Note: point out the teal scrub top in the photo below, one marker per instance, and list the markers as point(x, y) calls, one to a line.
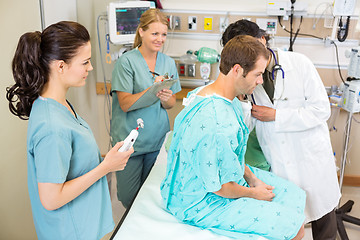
point(207, 150)
point(61, 147)
point(131, 74)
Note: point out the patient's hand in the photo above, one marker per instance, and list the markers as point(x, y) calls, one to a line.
point(263, 192)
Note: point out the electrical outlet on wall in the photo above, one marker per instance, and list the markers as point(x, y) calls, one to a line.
point(192, 21)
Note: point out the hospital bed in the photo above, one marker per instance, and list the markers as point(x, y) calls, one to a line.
point(147, 219)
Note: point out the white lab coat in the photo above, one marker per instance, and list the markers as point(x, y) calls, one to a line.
point(297, 144)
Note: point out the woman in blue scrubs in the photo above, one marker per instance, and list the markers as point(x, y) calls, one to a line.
point(66, 175)
point(134, 73)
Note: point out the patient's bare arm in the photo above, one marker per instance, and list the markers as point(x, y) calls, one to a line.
point(258, 189)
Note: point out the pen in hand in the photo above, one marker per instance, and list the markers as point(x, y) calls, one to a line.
point(154, 73)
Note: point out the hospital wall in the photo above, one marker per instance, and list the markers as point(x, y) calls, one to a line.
point(16, 17)
point(19, 16)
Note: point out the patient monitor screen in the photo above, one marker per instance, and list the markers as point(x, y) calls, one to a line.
point(127, 19)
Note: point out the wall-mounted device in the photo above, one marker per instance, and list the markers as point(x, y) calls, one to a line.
point(354, 64)
point(351, 96)
point(205, 69)
point(283, 8)
point(174, 22)
point(124, 19)
point(269, 25)
point(344, 7)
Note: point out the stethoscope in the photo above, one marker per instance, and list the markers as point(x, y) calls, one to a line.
point(275, 68)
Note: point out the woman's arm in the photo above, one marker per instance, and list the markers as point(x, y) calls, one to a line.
point(126, 100)
point(54, 195)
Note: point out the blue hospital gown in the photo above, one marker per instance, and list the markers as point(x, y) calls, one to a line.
point(207, 151)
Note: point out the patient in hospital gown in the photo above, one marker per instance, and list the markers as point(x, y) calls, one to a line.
point(207, 150)
point(207, 183)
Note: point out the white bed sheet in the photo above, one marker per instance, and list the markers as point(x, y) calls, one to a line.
point(147, 219)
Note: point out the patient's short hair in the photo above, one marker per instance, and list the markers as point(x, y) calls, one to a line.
point(243, 50)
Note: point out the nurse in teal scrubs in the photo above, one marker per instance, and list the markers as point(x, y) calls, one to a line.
point(67, 186)
point(134, 73)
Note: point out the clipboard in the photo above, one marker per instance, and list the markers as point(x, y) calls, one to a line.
point(149, 97)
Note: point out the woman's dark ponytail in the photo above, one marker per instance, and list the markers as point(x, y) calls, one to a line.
point(28, 75)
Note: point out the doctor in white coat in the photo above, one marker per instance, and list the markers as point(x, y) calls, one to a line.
point(290, 119)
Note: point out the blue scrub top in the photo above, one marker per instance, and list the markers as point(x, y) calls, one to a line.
point(131, 74)
point(61, 147)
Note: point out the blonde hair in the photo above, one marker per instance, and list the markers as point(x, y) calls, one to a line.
point(150, 16)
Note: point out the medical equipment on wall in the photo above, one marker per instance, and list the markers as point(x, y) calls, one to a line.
point(131, 138)
point(123, 18)
point(187, 64)
point(351, 96)
point(342, 8)
point(351, 103)
point(354, 64)
point(284, 8)
point(206, 56)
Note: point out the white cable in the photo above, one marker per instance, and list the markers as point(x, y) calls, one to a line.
point(166, 45)
point(316, 20)
point(355, 120)
point(107, 100)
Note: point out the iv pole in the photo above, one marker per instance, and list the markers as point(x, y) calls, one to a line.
point(341, 211)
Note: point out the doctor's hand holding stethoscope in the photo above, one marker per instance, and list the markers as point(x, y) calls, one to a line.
point(262, 113)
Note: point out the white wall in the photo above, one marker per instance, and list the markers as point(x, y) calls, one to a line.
point(16, 17)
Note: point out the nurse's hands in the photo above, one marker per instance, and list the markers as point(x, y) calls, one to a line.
point(164, 95)
point(116, 161)
point(159, 79)
point(262, 113)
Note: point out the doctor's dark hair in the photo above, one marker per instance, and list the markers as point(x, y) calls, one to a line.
point(243, 50)
point(149, 16)
point(243, 27)
point(31, 63)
